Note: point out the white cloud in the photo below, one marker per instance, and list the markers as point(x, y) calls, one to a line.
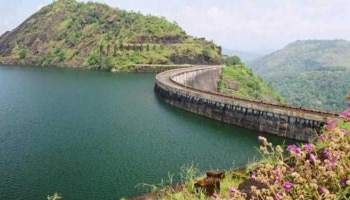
point(258, 24)
point(239, 24)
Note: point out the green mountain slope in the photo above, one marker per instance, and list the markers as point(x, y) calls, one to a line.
point(69, 33)
point(312, 73)
point(239, 81)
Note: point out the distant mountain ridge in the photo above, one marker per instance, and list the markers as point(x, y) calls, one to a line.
point(311, 55)
point(310, 73)
point(243, 55)
point(69, 34)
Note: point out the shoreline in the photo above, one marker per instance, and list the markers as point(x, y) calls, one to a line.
point(136, 68)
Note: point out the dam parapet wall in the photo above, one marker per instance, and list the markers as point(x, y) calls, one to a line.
point(181, 89)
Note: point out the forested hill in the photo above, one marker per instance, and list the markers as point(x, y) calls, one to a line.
point(311, 73)
point(69, 33)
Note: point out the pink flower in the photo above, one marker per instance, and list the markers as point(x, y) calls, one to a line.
point(233, 191)
point(345, 132)
point(331, 124)
point(293, 148)
point(321, 137)
point(323, 189)
point(334, 160)
point(262, 139)
point(253, 177)
point(343, 181)
point(326, 153)
point(312, 158)
point(215, 196)
point(308, 147)
point(330, 136)
point(287, 186)
point(345, 114)
point(278, 197)
point(278, 178)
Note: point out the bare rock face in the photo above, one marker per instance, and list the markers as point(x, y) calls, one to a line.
point(208, 185)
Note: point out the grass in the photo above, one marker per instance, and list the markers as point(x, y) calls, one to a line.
point(167, 190)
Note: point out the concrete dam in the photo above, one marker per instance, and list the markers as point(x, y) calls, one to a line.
point(195, 89)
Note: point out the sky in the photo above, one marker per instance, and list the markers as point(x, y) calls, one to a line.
point(245, 25)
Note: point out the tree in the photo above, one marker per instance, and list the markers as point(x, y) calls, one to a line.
point(232, 60)
point(22, 53)
point(109, 63)
point(93, 60)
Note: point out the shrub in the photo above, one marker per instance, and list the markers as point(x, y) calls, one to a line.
point(232, 60)
point(92, 60)
point(318, 170)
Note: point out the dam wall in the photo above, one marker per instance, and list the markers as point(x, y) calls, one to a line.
point(206, 79)
point(177, 88)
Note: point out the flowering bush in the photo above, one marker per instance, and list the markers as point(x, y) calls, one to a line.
point(310, 171)
point(319, 170)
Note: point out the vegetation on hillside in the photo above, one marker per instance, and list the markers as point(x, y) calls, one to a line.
point(70, 33)
point(239, 81)
point(322, 90)
point(318, 170)
point(312, 73)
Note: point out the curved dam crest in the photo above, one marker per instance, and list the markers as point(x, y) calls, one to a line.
point(195, 89)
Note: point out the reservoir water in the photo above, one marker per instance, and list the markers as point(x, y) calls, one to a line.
point(96, 135)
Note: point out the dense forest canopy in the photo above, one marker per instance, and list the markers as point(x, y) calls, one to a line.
point(312, 73)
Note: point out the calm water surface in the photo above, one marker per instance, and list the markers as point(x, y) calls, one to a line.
point(95, 135)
